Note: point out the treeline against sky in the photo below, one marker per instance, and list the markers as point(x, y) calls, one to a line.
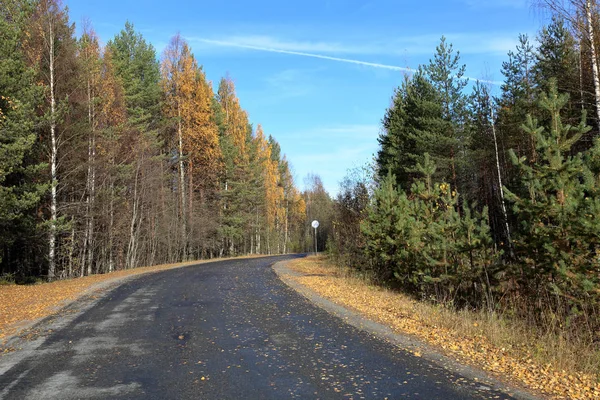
point(488, 202)
point(115, 157)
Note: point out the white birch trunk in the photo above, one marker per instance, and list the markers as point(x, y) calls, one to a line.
point(182, 186)
point(131, 248)
point(581, 91)
point(504, 213)
point(596, 74)
point(70, 269)
point(53, 161)
point(90, 187)
point(92, 182)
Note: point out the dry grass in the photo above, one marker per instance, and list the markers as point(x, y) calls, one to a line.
point(546, 363)
point(22, 304)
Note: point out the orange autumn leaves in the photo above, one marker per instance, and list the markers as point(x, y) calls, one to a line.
point(188, 102)
point(189, 105)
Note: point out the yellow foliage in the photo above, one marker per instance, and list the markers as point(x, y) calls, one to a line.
point(235, 117)
point(188, 101)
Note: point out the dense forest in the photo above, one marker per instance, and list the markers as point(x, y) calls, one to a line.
point(114, 157)
point(490, 202)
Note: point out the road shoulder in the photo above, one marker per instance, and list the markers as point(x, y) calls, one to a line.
point(406, 342)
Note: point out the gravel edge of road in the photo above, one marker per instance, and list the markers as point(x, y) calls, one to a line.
point(404, 341)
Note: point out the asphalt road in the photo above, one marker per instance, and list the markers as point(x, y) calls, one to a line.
point(225, 330)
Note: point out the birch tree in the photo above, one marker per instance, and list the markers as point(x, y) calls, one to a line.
point(91, 64)
point(582, 15)
point(51, 49)
point(178, 70)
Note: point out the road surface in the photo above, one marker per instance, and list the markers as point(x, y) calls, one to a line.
point(224, 330)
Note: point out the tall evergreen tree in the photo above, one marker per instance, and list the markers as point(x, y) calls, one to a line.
point(446, 75)
point(51, 49)
point(558, 230)
point(558, 58)
point(136, 65)
point(20, 186)
point(411, 127)
point(517, 99)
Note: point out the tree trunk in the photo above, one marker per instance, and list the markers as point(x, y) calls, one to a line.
point(111, 222)
point(53, 162)
point(91, 183)
point(132, 247)
point(190, 205)
point(71, 257)
point(596, 74)
point(581, 90)
point(182, 186)
point(285, 237)
point(503, 203)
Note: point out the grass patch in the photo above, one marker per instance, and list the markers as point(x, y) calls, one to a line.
point(544, 361)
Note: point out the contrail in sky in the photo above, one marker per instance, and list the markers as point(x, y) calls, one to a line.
point(346, 60)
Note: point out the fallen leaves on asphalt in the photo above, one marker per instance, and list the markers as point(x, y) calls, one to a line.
point(401, 314)
point(22, 304)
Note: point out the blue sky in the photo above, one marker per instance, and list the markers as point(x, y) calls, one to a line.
point(319, 74)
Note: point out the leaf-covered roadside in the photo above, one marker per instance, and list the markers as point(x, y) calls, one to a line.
point(466, 338)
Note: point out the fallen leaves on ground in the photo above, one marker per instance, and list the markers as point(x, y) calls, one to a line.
point(405, 316)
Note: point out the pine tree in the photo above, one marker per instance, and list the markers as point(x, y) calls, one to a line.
point(558, 59)
point(446, 75)
point(20, 187)
point(238, 190)
point(430, 248)
point(139, 170)
point(557, 237)
point(581, 16)
point(136, 65)
point(386, 231)
point(412, 127)
point(395, 142)
point(517, 99)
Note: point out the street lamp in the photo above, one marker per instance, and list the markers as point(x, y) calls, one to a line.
point(315, 224)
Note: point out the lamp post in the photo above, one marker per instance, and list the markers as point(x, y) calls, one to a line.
point(315, 224)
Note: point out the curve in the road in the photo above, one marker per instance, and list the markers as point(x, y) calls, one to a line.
point(223, 330)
